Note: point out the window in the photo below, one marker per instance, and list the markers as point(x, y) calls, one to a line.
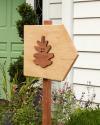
point(38, 9)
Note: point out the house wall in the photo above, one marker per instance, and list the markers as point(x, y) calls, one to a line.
point(86, 33)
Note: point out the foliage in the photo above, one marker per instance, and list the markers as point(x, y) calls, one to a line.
point(7, 118)
point(90, 95)
point(28, 16)
point(16, 72)
point(64, 104)
point(4, 81)
point(24, 108)
point(3, 108)
point(24, 116)
point(85, 117)
point(25, 104)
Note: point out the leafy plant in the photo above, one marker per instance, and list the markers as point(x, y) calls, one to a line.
point(16, 72)
point(25, 102)
point(28, 16)
point(85, 117)
point(24, 116)
point(4, 81)
point(64, 103)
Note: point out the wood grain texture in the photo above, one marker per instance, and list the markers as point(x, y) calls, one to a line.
point(46, 118)
point(62, 47)
point(46, 115)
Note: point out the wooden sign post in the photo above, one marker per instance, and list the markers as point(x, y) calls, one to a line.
point(46, 115)
point(49, 53)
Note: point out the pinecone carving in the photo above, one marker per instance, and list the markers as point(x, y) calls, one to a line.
point(43, 57)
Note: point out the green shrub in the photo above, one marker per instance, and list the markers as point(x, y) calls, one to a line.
point(4, 106)
point(26, 103)
point(16, 71)
point(85, 117)
point(24, 116)
point(28, 17)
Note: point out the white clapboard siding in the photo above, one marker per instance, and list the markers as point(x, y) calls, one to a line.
point(78, 89)
point(55, 1)
point(87, 26)
point(55, 11)
point(52, 10)
point(86, 76)
point(87, 43)
point(88, 60)
point(57, 21)
point(82, 0)
point(87, 9)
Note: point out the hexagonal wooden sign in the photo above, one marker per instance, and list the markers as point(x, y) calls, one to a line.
point(48, 51)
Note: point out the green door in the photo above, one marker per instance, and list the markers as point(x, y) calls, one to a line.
point(10, 44)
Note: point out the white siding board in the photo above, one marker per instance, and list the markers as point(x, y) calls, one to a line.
point(87, 26)
point(84, 76)
point(82, 0)
point(55, 1)
point(87, 43)
point(89, 91)
point(88, 60)
point(52, 10)
point(67, 20)
point(57, 22)
point(55, 11)
point(87, 9)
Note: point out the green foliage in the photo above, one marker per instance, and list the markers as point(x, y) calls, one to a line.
point(4, 81)
point(16, 72)
point(64, 104)
point(24, 116)
point(24, 103)
point(24, 108)
point(4, 106)
point(28, 16)
point(85, 117)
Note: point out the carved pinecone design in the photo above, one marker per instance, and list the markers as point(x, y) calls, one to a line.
point(43, 57)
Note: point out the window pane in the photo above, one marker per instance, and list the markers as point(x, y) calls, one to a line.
point(38, 9)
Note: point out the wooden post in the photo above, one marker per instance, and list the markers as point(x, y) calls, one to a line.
point(46, 106)
point(46, 120)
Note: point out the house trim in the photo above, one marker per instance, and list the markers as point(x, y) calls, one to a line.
point(30, 2)
point(67, 20)
point(67, 15)
point(45, 9)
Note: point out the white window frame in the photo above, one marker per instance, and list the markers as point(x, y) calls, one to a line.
point(30, 2)
point(67, 15)
point(67, 20)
